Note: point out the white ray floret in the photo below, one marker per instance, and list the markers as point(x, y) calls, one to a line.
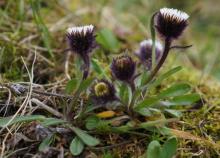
point(174, 13)
point(80, 29)
point(149, 43)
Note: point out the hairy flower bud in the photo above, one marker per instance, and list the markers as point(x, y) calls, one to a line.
point(123, 68)
point(144, 52)
point(171, 23)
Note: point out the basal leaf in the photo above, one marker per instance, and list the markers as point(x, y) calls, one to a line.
point(147, 102)
point(125, 93)
point(143, 78)
point(52, 121)
point(164, 76)
point(144, 111)
point(188, 99)
point(92, 122)
point(46, 143)
point(19, 119)
point(154, 150)
point(86, 138)
point(175, 90)
point(169, 148)
point(76, 146)
point(150, 124)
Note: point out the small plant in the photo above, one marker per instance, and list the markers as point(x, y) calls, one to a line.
point(167, 150)
point(126, 100)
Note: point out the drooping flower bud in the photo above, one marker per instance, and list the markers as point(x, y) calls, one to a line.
point(102, 92)
point(144, 52)
point(123, 68)
point(171, 23)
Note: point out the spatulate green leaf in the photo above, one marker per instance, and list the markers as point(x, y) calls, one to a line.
point(169, 148)
point(125, 93)
point(52, 121)
point(46, 143)
point(76, 146)
point(164, 76)
point(188, 99)
point(7, 121)
point(147, 102)
point(86, 138)
point(175, 90)
point(92, 122)
point(154, 150)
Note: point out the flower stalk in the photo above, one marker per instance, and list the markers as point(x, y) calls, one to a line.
point(86, 66)
point(162, 60)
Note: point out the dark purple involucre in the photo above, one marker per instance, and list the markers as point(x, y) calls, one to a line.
point(123, 68)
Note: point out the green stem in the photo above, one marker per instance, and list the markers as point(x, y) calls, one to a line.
point(69, 111)
point(153, 37)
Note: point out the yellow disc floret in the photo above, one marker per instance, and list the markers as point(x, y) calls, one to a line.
point(101, 89)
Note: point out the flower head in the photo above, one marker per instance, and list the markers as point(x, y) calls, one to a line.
point(81, 39)
point(123, 68)
point(103, 91)
point(144, 52)
point(170, 23)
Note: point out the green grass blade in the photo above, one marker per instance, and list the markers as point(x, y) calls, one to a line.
point(41, 26)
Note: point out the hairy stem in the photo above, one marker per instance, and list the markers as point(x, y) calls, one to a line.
point(162, 60)
point(86, 66)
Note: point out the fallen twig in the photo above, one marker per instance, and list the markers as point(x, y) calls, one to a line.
point(46, 107)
